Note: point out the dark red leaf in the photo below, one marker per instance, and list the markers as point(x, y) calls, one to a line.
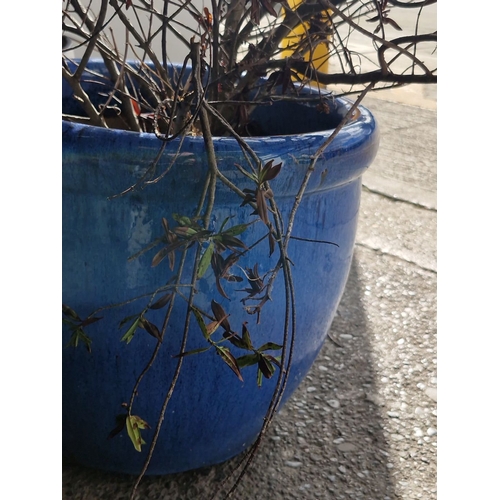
point(267, 5)
point(208, 17)
point(229, 241)
point(393, 23)
point(233, 278)
point(230, 360)
point(262, 206)
point(271, 243)
point(164, 223)
point(160, 256)
point(266, 367)
point(220, 315)
point(219, 287)
point(217, 263)
point(89, 321)
point(169, 249)
point(255, 11)
point(137, 108)
point(162, 301)
point(269, 171)
point(150, 328)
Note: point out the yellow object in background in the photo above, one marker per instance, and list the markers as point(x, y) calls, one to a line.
point(320, 57)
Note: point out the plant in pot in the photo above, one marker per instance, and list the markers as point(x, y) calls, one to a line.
point(211, 185)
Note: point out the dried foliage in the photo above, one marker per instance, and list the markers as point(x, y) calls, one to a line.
point(234, 55)
point(232, 44)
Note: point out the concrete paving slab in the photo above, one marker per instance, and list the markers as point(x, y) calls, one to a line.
point(398, 228)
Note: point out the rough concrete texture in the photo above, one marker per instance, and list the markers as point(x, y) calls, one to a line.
point(362, 425)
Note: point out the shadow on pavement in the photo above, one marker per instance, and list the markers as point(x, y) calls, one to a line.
point(327, 442)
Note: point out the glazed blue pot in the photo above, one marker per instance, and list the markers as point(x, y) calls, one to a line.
point(212, 415)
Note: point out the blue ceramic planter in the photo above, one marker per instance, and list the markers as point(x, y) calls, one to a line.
point(212, 415)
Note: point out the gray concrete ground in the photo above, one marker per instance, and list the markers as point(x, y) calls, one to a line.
point(362, 425)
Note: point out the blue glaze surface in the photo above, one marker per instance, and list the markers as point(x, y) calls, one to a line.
point(212, 415)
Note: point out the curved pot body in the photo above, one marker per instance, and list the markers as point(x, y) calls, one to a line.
point(212, 415)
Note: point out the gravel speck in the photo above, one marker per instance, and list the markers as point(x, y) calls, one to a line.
point(431, 392)
point(346, 336)
point(346, 447)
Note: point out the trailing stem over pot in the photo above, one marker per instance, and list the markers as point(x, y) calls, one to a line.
point(244, 69)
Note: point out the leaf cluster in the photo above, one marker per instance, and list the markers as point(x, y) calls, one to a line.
point(76, 326)
point(266, 363)
point(134, 425)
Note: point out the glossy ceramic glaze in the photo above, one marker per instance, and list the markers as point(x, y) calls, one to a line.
point(212, 415)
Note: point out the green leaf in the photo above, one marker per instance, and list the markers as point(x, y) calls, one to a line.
point(79, 334)
point(127, 319)
point(129, 334)
point(201, 322)
point(259, 378)
point(186, 232)
point(245, 335)
point(194, 351)
point(182, 219)
point(236, 340)
point(250, 175)
point(226, 220)
point(67, 311)
point(247, 360)
point(266, 367)
point(270, 346)
point(236, 230)
point(205, 260)
point(134, 424)
point(230, 360)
